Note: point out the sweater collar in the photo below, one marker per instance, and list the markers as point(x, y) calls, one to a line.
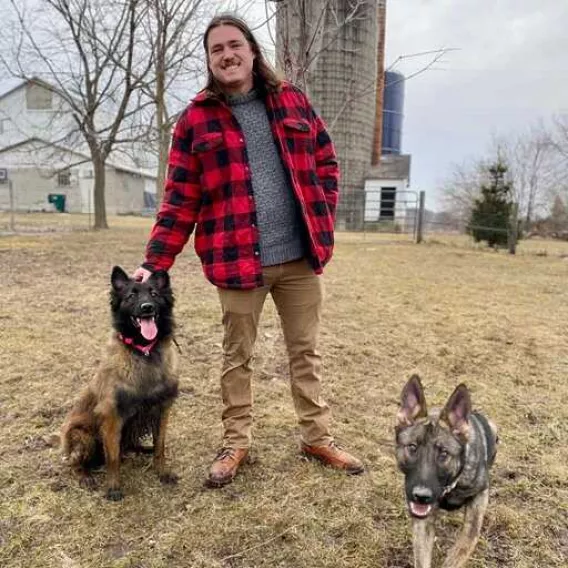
point(205, 95)
point(241, 99)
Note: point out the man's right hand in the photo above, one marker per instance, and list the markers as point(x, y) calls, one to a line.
point(141, 274)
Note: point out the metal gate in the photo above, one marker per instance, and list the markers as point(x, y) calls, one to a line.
point(390, 210)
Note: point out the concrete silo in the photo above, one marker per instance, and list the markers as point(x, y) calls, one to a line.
point(329, 47)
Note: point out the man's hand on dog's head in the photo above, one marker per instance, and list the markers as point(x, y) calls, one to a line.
point(141, 274)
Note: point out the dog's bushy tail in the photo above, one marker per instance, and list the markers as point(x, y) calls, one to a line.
point(78, 434)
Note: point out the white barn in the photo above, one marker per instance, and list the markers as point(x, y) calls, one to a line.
point(50, 167)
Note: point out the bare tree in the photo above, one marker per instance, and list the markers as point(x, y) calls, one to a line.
point(299, 47)
point(76, 46)
point(321, 23)
point(536, 170)
point(559, 136)
point(533, 167)
point(432, 57)
point(558, 216)
point(462, 187)
point(172, 36)
point(356, 93)
point(559, 142)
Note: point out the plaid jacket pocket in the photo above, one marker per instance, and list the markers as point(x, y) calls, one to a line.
point(207, 142)
point(299, 136)
point(297, 125)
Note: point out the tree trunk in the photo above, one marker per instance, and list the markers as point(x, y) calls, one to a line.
point(533, 191)
point(300, 30)
point(163, 162)
point(512, 234)
point(162, 125)
point(99, 192)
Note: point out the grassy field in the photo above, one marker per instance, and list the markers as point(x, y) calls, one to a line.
point(448, 311)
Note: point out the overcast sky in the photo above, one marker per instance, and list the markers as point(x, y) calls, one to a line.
point(511, 69)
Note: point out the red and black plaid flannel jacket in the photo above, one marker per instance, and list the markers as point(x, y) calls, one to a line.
point(209, 187)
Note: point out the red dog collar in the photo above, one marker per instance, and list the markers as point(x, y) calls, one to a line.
point(144, 349)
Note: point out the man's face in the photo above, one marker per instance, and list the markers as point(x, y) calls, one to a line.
point(230, 59)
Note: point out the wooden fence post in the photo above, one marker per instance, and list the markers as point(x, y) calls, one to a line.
point(420, 225)
point(512, 233)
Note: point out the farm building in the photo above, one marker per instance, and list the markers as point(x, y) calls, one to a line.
point(388, 198)
point(49, 167)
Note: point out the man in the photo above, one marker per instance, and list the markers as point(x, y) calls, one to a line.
point(252, 167)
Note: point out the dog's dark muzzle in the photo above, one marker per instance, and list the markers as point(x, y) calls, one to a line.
point(147, 310)
point(146, 319)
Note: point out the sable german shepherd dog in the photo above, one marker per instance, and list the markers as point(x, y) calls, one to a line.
point(445, 456)
point(134, 388)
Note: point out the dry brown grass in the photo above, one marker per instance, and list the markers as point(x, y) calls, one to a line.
point(450, 313)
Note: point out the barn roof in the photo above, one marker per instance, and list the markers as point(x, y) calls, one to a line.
point(38, 142)
point(9, 85)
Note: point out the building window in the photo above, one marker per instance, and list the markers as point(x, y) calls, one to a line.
point(64, 178)
point(38, 97)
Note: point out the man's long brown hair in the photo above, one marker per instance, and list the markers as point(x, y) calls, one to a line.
point(265, 77)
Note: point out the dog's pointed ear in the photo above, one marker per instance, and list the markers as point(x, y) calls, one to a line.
point(119, 279)
point(161, 279)
point(457, 411)
point(412, 402)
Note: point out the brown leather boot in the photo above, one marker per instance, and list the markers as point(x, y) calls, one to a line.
point(225, 466)
point(335, 457)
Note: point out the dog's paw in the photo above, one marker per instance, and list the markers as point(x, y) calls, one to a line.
point(114, 495)
point(169, 478)
point(88, 482)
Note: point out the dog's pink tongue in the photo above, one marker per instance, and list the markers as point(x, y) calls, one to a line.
point(148, 328)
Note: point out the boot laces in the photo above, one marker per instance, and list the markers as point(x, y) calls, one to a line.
point(224, 453)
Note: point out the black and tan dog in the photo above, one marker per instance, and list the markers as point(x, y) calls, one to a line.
point(135, 385)
point(445, 456)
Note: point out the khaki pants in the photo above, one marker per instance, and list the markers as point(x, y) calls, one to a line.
point(297, 293)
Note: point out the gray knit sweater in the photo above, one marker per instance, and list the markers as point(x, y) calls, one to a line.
point(278, 218)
